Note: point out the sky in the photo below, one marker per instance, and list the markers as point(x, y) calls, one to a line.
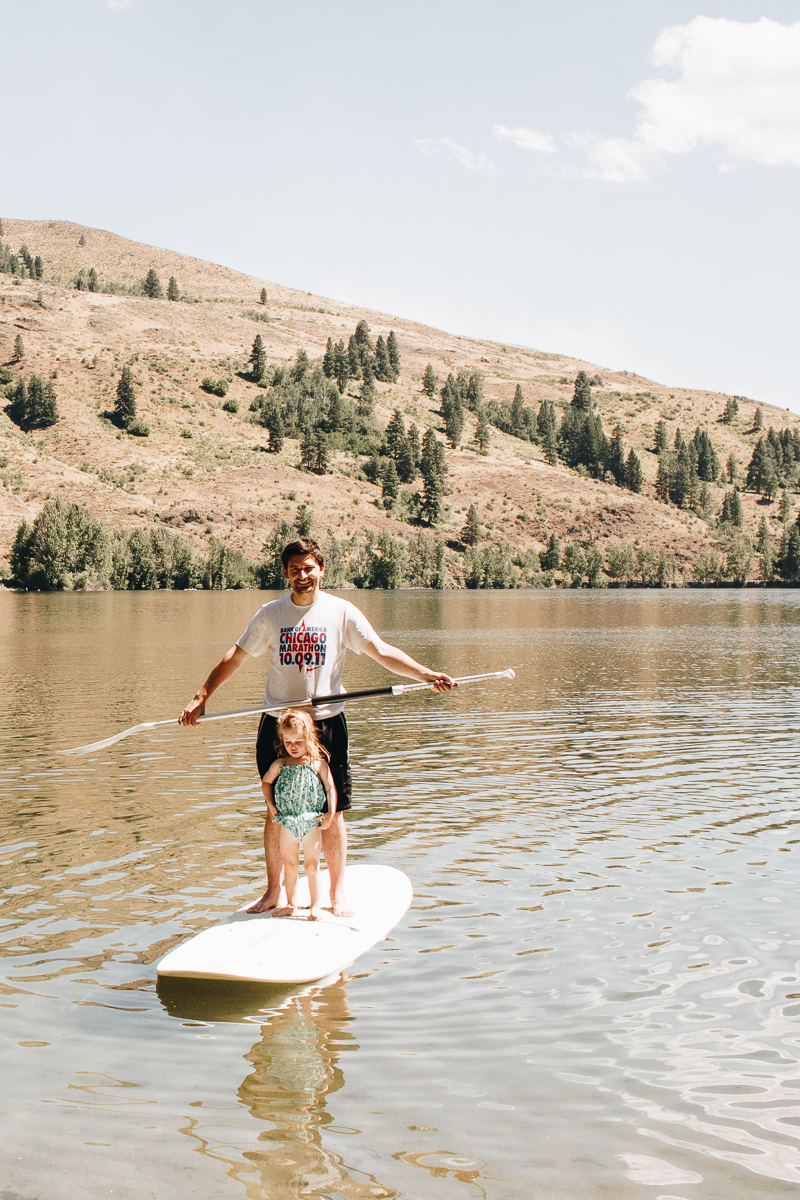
point(611, 179)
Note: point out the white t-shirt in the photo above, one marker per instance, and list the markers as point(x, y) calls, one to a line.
point(306, 648)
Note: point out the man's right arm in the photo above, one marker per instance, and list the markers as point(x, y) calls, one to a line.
point(230, 662)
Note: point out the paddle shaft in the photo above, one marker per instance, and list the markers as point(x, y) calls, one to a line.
point(397, 689)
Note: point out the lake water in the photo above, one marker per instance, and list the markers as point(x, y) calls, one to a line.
point(596, 992)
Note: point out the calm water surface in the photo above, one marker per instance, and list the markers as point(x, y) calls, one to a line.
point(595, 994)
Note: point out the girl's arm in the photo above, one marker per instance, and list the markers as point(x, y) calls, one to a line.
point(266, 787)
point(330, 792)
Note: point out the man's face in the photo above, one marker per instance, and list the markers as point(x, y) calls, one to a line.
point(304, 573)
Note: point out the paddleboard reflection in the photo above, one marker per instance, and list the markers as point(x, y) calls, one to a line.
point(295, 1069)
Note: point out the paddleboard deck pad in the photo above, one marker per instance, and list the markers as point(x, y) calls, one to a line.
point(263, 948)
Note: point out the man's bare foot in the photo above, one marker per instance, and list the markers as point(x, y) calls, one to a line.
point(341, 908)
point(315, 913)
point(286, 911)
point(267, 901)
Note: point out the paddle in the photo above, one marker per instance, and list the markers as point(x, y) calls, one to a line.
point(396, 689)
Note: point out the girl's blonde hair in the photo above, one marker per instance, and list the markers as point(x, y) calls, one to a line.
point(298, 718)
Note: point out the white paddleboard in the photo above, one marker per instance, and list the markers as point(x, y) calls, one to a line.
point(262, 948)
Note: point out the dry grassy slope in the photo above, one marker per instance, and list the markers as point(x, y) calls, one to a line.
point(222, 480)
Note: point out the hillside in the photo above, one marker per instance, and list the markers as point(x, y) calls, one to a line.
point(207, 472)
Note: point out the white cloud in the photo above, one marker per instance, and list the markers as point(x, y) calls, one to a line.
point(615, 160)
point(737, 90)
point(120, 5)
point(463, 156)
point(528, 139)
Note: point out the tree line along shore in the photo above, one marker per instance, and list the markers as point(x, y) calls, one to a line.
point(328, 406)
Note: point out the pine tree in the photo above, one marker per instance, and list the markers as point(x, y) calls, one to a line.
point(341, 366)
point(790, 555)
point(173, 291)
point(394, 353)
point(707, 461)
point(301, 365)
point(276, 433)
point(38, 267)
point(80, 282)
point(17, 410)
point(452, 411)
point(26, 257)
point(125, 403)
point(415, 446)
point(758, 419)
point(550, 445)
point(471, 533)
point(661, 437)
point(152, 285)
point(383, 370)
point(396, 438)
point(335, 410)
point(406, 467)
point(327, 360)
point(308, 447)
point(263, 296)
point(517, 413)
point(91, 282)
point(731, 409)
point(433, 477)
point(353, 357)
point(321, 457)
point(258, 359)
point(429, 381)
point(368, 395)
point(362, 336)
point(482, 432)
point(19, 349)
point(785, 505)
point(550, 558)
point(39, 409)
point(82, 240)
point(615, 460)
point(582, 395)
point(390, 483)
point(664, 476)
point(634, 476)
point(762, 471)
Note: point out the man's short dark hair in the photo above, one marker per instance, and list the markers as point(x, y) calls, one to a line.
point(299, 548)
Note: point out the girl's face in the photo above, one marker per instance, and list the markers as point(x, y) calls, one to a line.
point(294, 743)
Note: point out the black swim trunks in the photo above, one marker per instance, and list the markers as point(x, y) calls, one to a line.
point(332, 734)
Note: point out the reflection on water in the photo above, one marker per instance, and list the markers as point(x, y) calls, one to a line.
point(596, 992)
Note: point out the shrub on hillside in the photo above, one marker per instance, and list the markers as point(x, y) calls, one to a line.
point(216, 387)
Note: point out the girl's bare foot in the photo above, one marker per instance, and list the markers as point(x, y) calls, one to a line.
point(315, 913)
point(286, 911)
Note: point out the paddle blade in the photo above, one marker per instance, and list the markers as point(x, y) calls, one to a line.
point(93, 747)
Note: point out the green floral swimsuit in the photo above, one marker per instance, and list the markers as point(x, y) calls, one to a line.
point(299, 798)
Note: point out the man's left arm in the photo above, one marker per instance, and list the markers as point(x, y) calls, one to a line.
point(395, 659)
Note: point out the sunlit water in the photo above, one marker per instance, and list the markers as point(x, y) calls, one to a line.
point(596, 992)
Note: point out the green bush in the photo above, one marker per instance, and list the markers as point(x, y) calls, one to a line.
point(139, 429)
point(231, 406)
point(217, 387)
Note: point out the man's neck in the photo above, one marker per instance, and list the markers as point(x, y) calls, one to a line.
point(305, 599)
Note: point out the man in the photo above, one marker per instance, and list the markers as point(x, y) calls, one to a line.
point(307, 634)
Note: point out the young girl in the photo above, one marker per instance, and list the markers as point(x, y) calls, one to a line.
point(295, 788)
